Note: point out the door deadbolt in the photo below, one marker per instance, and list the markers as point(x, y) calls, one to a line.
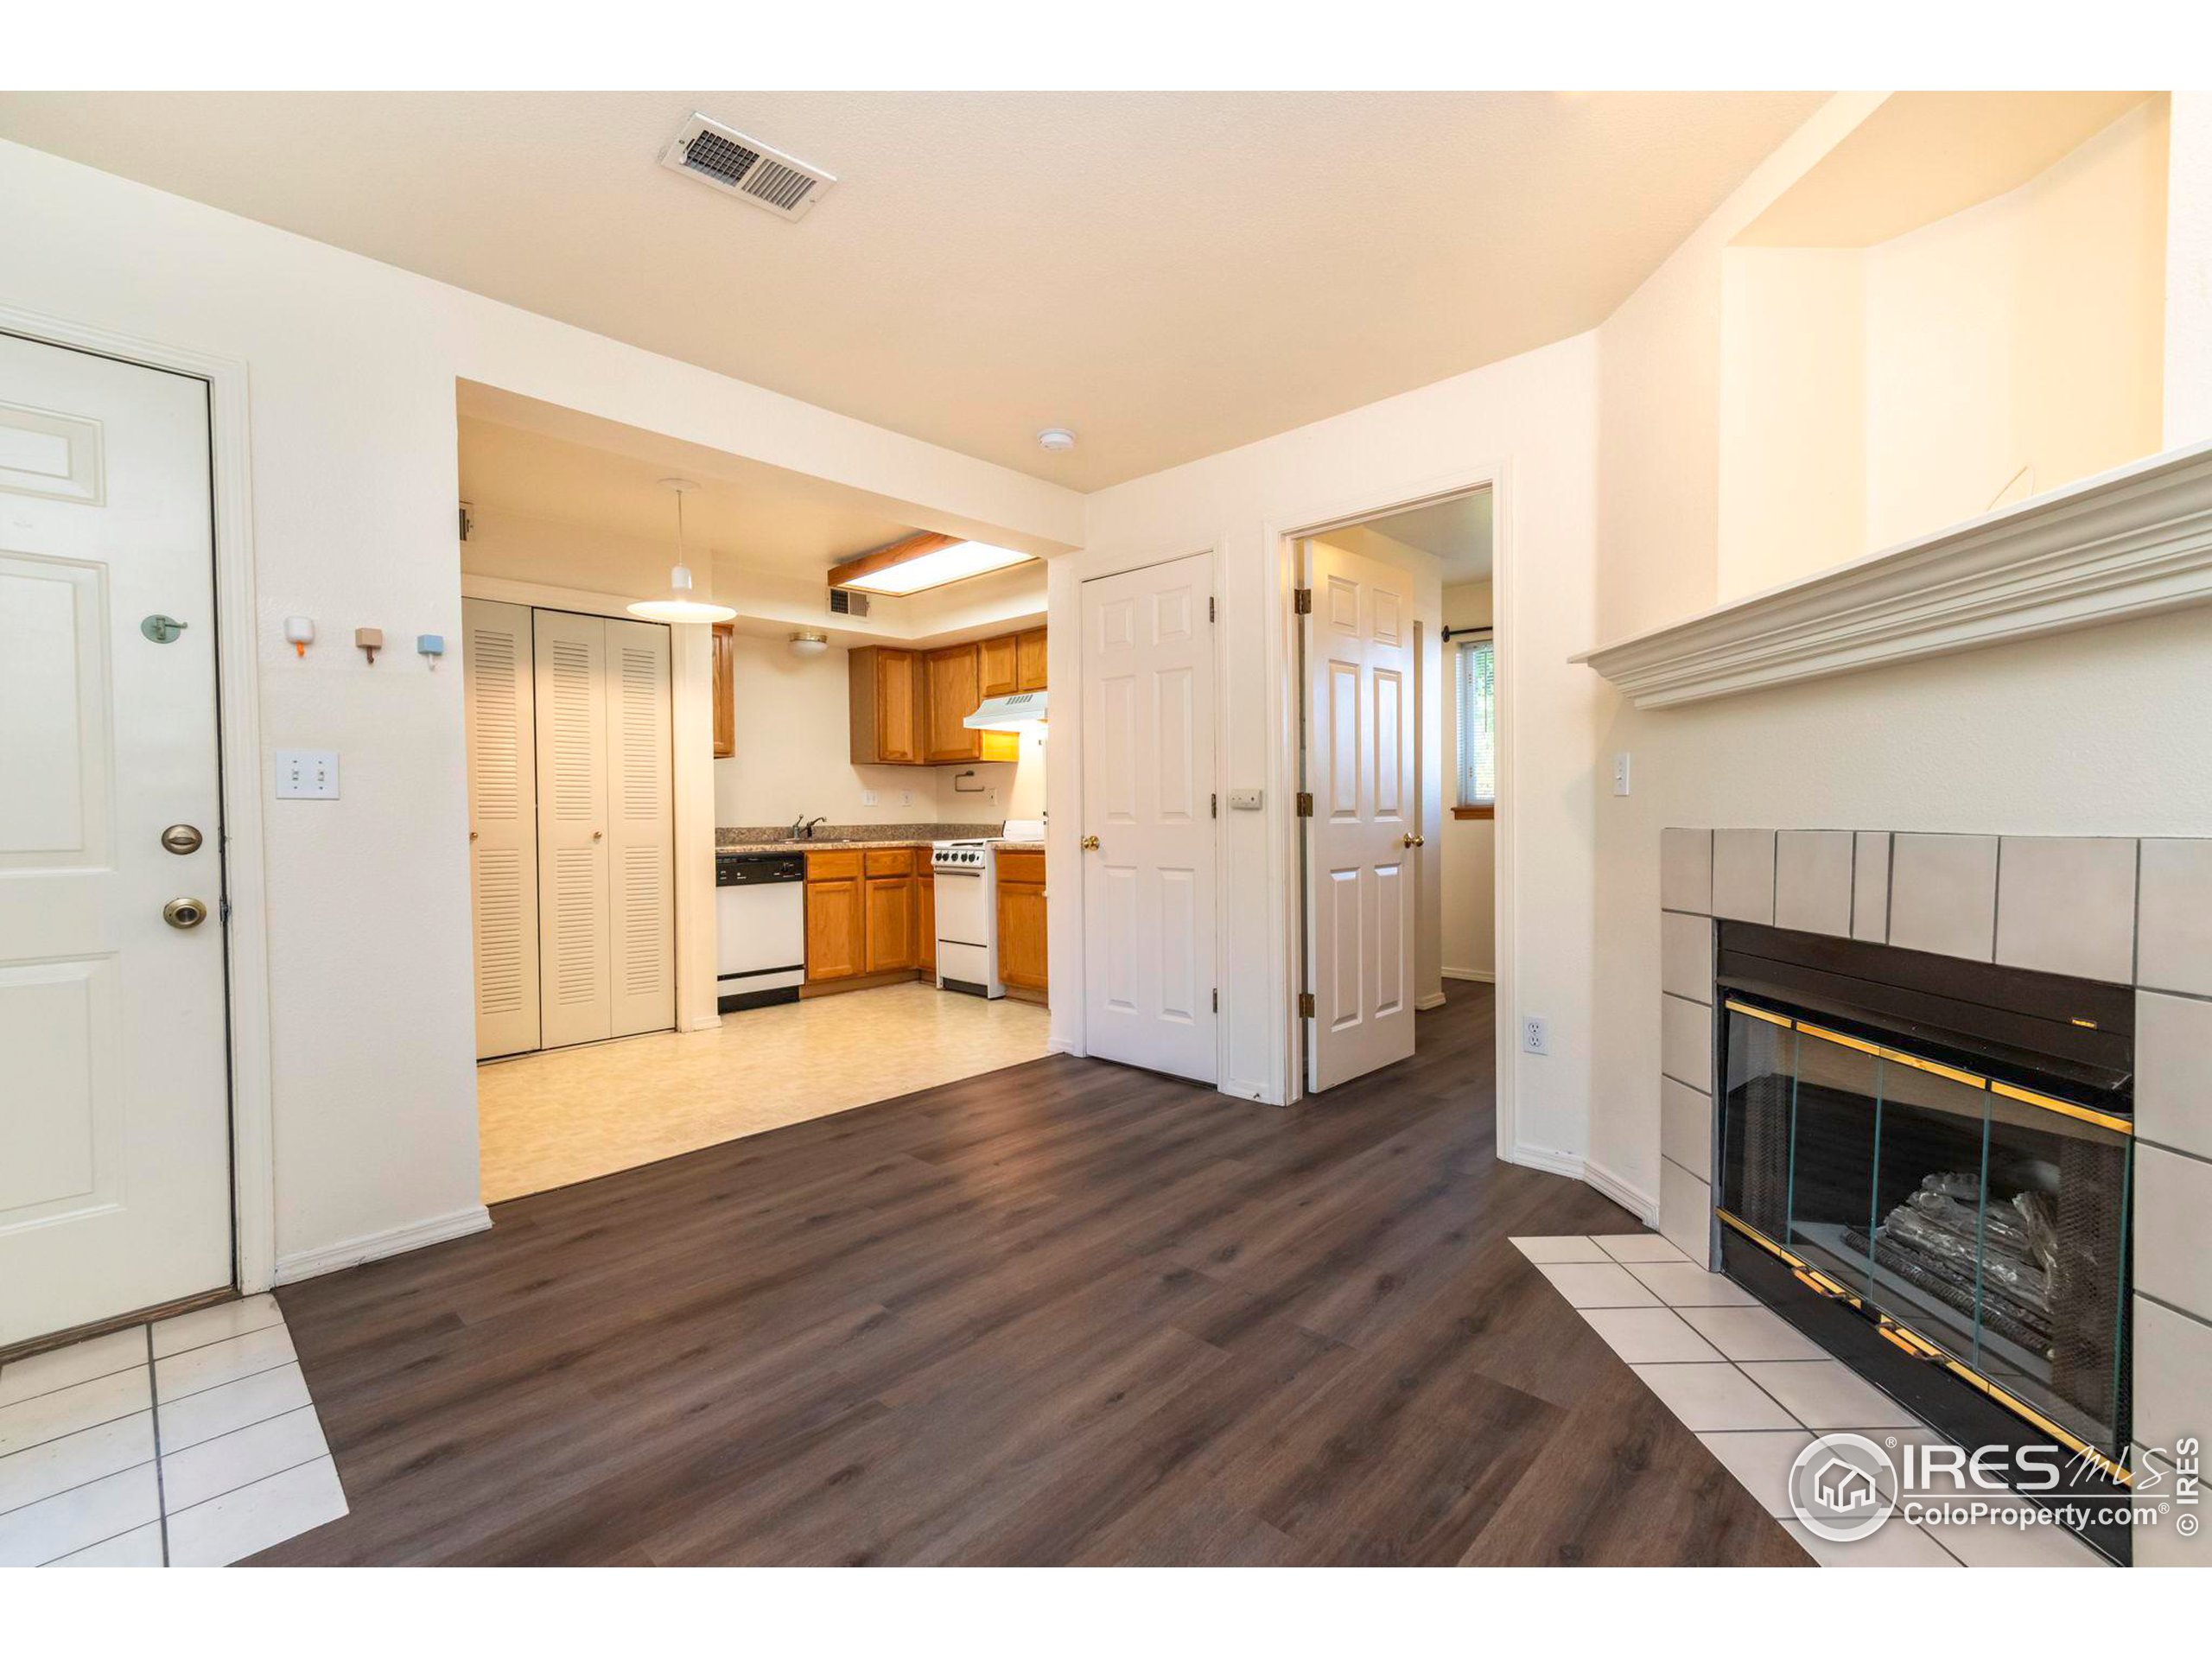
point(185, 912)
point(181, 838)
point(161, 629)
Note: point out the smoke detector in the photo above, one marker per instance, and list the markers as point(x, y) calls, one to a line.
point(740, 166)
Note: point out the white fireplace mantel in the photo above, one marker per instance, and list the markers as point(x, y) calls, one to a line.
point(2130, 543)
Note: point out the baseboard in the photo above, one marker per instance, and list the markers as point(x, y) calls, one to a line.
point(1642, 1206)
point(1474, 976)
point(1549, 1159)
point(1433, 999)
point(374, 1247)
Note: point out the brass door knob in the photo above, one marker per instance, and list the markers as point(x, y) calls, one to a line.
point(1421, 841)
point(1408, 840)
point(185, 912)
point(1091, 843)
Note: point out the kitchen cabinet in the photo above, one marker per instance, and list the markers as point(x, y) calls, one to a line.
point(725, 690)
point(998, 666)
point(908, 707)
point(1029, 660)
point(869, 910)
point(952, 693)
point(886, 685)
point(1021, 919)
point(836, 916)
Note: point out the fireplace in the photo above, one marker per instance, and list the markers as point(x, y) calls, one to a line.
point(1925, 1163)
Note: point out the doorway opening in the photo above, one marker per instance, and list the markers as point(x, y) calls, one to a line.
point(1396, 658)
point(803, 844)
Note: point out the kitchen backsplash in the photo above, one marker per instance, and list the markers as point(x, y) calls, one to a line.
point(752, 834)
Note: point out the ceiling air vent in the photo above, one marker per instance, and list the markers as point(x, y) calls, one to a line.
point(739, 166)
point(843, 601)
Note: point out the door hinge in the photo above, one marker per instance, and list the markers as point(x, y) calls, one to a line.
point(1216, 1001)
point(1301, 601)
point(1305, 804)
point(1213, 805)
point(1210, 610)
point(1305, 1005)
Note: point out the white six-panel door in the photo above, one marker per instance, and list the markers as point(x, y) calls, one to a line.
point(606, 818)
point(502, 822)
point(1360, 727)
point(1148, 671)
point(115, 1190)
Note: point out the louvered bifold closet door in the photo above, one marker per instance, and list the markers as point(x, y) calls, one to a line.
point(641, 823)
point(502, 824)
point(572, 828)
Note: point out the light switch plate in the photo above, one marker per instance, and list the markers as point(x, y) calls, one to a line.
point(307, 774)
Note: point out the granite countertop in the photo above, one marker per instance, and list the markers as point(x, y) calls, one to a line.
point(778, 838)
point(999, 844)
point(819, 844)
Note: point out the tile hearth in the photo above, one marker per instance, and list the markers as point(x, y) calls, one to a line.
point(1756, 1393)
point(192, 1442)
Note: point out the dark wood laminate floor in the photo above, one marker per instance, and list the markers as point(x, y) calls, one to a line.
point(1067, 1312)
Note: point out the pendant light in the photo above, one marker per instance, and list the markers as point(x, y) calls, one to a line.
point(679, 603)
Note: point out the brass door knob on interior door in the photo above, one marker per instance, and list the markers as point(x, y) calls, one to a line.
point(185, 912)
point(1414, 841)
point(1091, 843)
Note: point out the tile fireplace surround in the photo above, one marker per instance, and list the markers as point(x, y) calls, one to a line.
point(2117, 910)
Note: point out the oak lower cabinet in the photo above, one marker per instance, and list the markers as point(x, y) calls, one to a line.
point(836, 916)
point(868, 913)
point(1022, 920)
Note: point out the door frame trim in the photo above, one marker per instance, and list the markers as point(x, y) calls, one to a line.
point(238, 693)
point(1285, 530)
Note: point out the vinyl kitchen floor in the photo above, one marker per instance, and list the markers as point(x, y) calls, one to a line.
point(188, 1443)
point(571, 1114)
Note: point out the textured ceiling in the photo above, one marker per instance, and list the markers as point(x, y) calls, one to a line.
point(1169, 274)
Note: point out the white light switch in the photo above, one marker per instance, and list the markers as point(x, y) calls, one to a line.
point(307, 774)
point(1620, 772)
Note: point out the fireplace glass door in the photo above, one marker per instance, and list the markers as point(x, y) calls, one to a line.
point(1987, 1220)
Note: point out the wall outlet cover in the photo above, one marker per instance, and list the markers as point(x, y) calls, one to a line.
point(1535, 1034)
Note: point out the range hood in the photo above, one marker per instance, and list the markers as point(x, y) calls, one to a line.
point(1022, 709)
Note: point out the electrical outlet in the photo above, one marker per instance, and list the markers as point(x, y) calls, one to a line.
point(868, 797)
point(1620, 772)
point(1536, 1034)
point(905, 797)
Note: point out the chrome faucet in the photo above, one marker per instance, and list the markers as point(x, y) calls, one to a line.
point(802, 827)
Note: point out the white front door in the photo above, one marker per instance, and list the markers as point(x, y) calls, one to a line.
point(1359, 768)
point(1147, 817)
point(115, 1187)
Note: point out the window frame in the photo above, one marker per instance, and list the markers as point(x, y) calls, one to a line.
point(1461, 639)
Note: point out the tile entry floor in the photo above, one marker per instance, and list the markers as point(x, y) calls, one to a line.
point(1756, 1393)
point(191, 1442)
point(552, 1119)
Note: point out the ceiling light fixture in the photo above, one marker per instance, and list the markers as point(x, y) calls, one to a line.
point(1057, 439)
point(680, 603)
point(923, 561)
point(807, 643)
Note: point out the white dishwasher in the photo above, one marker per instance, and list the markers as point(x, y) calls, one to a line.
point(759, 929)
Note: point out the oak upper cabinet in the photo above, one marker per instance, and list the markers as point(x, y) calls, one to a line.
point(997, 666)
point(950, 695)
point(725, 690)
point(1029, 660)
point(886, 706)
point(836, 916)
point(1021, 919)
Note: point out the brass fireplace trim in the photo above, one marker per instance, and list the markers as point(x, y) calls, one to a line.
point(1904, 1336)
point(1969, 1079)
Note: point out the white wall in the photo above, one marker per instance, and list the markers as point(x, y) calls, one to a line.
point(2067, 736)
point(1534, 419)
point(1468, 864)
point(352, 367)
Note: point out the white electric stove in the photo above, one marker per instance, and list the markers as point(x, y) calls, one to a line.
point(966, 874)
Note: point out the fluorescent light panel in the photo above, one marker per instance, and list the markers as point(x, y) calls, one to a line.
point(933, 570)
